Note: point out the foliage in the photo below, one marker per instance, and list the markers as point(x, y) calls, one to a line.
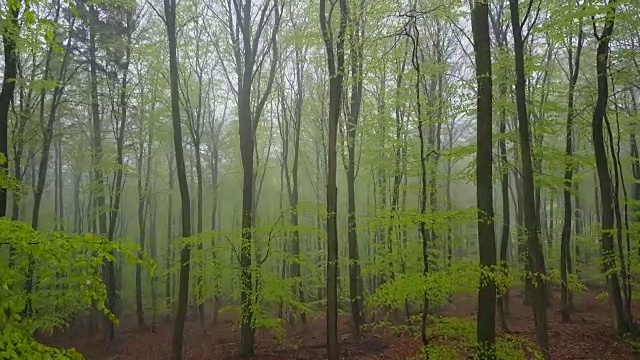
point(66, 280)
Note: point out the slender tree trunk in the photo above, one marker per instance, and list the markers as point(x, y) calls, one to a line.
point(170, 235)
point(119, 134)
point(422, 227)
point(214, 226)
point(565, 246)
point(621, 323)
point(11, 60)
point(486, 234)
point(185, 252)
point(153, 252)
point(199, 280)
point(56, 184)
point(143, 210)
point(393, 232)
point(503, 300)
point(247, 144)
point(635, 158)
point(109, 266)
point(295, 269)
point(335, 54)
point(535, 254)
point(77, 206)
point(355, 279)
point(19, 141)
point(47, 131)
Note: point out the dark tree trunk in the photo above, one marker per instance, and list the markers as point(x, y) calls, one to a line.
point(486, 323)
point(565, 245)
point(77, 206)
point(6, 94)
point(336, 68)
point(397, 163)
point(414, 35)
point(99, 197)
point(153, 253)
point(215, 164)
point(249, 113)
point(143, 209)
point(535, 255)
point(294, 191)
point(622, 324)
point(247, 144)
point(170, 235)
point(120, 132)
point(185, 252)
point(27, 105)
point(635, 159)
point(355, 279)
point(47, 131)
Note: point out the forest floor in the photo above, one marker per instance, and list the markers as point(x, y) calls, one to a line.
point(587, 336)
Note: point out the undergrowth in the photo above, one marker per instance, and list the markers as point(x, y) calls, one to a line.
point(66, 280)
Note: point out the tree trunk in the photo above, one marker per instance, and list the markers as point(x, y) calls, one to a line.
point(486, 336)
point(535, 254)
point(143, 209)
point(355, 279)
point(199, 227)
point(109, 267)
point(336, 75)
point(153, 252)
point(295, 269)
point(422, 227)
point(214, 225)
point(622, 324)
point(185, 252)
point(565, 246)
point(503, 299)
point(6, 94)
point(169, 250)
point(47, 131)
point(635, 158)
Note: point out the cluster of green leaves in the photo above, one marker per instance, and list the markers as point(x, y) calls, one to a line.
point(462, 276)
point(210, 252)
point(455, 338)
point(66, 281)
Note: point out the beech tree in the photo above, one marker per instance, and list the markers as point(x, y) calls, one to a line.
point(486, 232)
point(334, 48)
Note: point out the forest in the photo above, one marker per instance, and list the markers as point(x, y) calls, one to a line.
point(320, 179)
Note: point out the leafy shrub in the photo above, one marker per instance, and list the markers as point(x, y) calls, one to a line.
point(66, 280)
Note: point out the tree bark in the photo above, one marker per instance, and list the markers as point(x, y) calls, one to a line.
point(622, 324)
point(336, 68)
point(355, 278)
point(185, 252)
point(170, 235)
point(531, 222)
point(486, 328)
point(6, 94)
point(565, 246)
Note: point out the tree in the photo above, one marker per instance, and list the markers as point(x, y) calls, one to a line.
point(565, 246)
point(336, 68)
point(356, 44)
point(535, 256)
point(245, 25)
point(9, 37)
point(621, 321)
point(486, 330)
point(185, 251)
point(500, 32)
point(290, 131)
point(96, 152)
